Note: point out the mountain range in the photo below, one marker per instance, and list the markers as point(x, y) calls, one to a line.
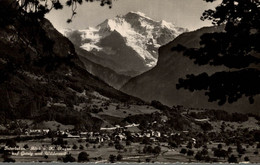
point(128, 47)
point(127, 44)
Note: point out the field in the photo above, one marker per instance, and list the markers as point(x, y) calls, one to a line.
point(133, 153)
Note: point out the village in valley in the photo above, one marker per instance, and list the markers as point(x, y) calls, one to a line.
point(155, 141)
point(90, 127)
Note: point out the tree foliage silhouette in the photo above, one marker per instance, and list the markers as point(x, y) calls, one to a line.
point(237, 48)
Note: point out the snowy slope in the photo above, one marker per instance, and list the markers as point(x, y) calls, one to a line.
point(141, 35)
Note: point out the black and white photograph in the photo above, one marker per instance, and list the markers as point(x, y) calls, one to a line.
point(130, 81)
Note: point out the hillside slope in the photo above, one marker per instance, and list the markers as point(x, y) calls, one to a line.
point(43, 79)
point(160, 82)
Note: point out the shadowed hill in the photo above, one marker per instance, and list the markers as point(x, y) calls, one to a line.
point(106, 74)
point(160, 82)
point(42, 77)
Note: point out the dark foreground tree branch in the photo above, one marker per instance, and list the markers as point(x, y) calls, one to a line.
point(237, 48)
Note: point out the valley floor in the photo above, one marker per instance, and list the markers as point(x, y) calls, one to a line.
point(101, 152)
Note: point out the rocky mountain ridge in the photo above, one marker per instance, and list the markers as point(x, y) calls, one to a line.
point(127, 44)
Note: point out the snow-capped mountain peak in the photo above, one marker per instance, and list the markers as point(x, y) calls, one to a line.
point(141, 35)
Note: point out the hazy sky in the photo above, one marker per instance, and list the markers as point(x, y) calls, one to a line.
point(183, 13)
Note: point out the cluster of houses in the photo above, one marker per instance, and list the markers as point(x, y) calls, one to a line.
point(105, 134)
point(37, 131)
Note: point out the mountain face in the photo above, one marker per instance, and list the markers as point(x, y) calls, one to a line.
point(126, 44)
point(109, 76)
point(43, 79)
point(160, 82)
